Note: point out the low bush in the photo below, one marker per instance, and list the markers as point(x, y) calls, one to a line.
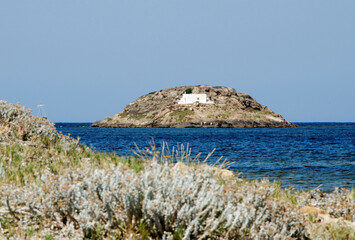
point(167, 200)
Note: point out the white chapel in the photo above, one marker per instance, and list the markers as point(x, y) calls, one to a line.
point(193, 98)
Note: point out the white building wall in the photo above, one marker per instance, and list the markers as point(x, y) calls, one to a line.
point(192, 98)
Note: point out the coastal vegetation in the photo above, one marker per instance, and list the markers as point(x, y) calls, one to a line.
point(53, 187)
point(188, 91)
point(226, 115)
point(131, 116)
point(182, 114)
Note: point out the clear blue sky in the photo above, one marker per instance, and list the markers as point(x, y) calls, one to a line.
point(86, 60)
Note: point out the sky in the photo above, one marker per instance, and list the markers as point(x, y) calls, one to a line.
point(85, 60)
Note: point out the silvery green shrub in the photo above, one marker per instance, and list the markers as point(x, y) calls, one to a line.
point(18, 124)
point(21, 120)
point(165, 199)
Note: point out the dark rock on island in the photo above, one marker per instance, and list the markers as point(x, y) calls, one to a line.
point(195, 107)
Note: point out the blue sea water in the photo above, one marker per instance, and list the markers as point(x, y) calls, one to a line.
point(305, 157)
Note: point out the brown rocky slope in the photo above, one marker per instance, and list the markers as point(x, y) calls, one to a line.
point(230, 109)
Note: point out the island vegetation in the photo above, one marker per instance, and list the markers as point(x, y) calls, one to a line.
point(53, 187)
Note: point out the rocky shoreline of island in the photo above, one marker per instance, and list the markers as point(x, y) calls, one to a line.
point(211, 124)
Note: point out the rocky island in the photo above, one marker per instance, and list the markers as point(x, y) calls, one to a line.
point(195, 107)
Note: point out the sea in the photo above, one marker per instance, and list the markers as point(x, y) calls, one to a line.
point(313, 155)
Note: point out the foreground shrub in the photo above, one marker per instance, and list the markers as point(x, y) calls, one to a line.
point(161, 201)
point(17, 122)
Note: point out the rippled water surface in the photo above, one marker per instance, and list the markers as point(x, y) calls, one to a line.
point(305, 157)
